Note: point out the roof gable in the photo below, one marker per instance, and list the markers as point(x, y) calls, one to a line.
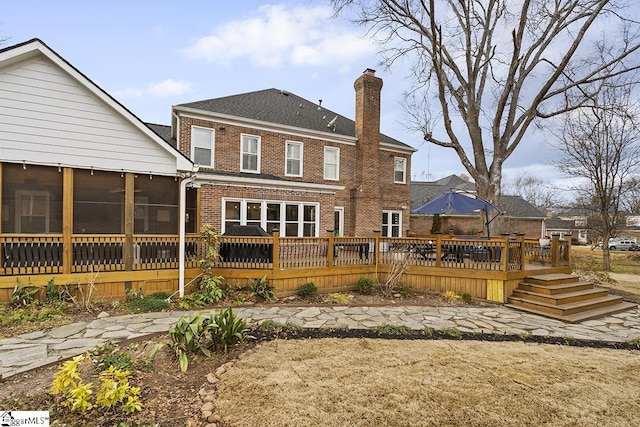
point(51, 113)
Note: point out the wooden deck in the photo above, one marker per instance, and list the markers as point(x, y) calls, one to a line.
point(484, 268)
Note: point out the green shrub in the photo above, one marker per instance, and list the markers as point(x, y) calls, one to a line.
point(22, 295)
point(209, 290)
point(115, 391)
point(307, 290)
point(466, 297)
point(404, 291)
point(365, 285)
point(153, 302)
point(262, 289)
point(226, 329)
point(109, 354)
point(187, 337)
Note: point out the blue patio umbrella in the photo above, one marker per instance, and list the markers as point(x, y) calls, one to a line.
point(456, 203)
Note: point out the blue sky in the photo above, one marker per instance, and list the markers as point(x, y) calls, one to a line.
point(151, 55)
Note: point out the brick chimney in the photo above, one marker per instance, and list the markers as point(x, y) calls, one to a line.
point(367, 212)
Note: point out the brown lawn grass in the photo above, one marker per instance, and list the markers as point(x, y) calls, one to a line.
point(363, 382)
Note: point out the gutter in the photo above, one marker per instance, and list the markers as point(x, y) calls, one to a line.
point(182, 233)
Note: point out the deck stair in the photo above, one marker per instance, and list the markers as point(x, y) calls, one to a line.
point(565, 297)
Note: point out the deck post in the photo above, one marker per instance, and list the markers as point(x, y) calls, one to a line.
point(376, 247)
point(276, 250)
point(504, 253)
point(129, 213)
point(330, 248)
point(555, 250)
point(520, 237)
point(438, 250)
point(67, 220)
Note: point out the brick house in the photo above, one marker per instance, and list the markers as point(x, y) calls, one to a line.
point(519, 215)
point(273, 159)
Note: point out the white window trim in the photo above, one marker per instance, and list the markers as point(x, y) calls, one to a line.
point(263, 214)
point(286, 158)
point(404, 170)
point(324, 163)
point(259, 149)
point(193, 147)
point(340, 211)
point(389, 225)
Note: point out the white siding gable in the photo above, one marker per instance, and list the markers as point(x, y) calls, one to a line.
point(49, 117)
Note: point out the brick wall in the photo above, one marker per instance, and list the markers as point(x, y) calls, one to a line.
point(366, 171)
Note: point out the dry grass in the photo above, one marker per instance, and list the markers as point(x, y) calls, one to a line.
point(362, 382)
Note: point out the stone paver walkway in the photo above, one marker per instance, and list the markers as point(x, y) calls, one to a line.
point(29, 351)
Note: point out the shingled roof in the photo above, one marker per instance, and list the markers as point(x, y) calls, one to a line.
point(514, 206)
point(284, 108)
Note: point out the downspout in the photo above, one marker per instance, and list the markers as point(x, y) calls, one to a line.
point(182, 233)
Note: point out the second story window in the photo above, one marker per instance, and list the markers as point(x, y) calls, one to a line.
point(332, 163)
point(293, 166)
point(400, 170)
point(202, 146)
point(250, 154)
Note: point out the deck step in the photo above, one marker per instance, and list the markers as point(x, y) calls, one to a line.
point(569, 308)
point(556, 289)
point(552, 279)
point(565, 297)
point(561, 298)
point(579, 317)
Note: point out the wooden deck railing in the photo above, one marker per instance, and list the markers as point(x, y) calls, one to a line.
point(41, 254)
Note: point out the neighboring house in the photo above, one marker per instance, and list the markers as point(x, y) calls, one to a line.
point(519, 215)
point(566, 227)
point(273, 159)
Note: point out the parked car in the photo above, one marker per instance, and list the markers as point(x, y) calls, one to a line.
point(621, 245)
point(634, 247)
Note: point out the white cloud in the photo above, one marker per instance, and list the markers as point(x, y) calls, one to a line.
point(169, 87)
point(279, 36)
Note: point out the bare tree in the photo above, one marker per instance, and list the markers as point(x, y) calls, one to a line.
point(600, 146)
point(494, 67)
point(534, 190)
point(631, 200)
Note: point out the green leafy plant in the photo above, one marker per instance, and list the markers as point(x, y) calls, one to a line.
point(109, 354)
point(466, 298)
point(365, 285)
point(452, 332)
point(268, 325)
point(262, 288)
point(187, 337)
point(635, 341)
point(209, 290)
point(308, 289)
point(292, 327)
point(154, 302)
point(55, 293)
point(394, 329)
point(67, 382)
point(115, 389)
point(22, 295)
point(428, 331)
point(226, 328)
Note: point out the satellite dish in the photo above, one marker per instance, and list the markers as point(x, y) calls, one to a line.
point(332, 122)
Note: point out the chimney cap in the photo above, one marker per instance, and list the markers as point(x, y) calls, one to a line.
point(369, 71)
